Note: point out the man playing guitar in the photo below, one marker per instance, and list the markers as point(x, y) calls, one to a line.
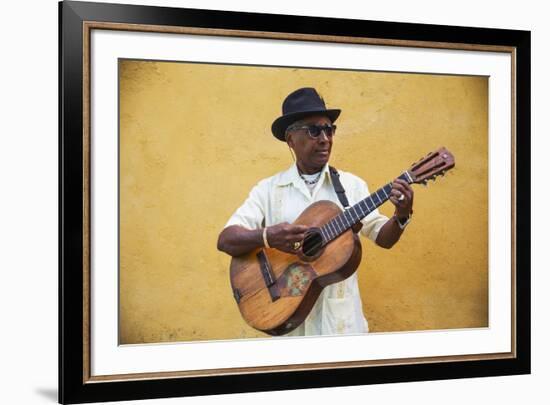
point(265, 220)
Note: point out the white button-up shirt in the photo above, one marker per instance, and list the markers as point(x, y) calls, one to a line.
point(282, 198)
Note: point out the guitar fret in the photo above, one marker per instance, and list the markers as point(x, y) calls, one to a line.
point(376, 195)
point(334, 225)
point(384, 191)
point(329, 231)
point(356, 213)
point(347, 224)
point(353, 215)
point(342, 222)
point(323, 235)
point(333, 234)
point(348, 219)
point(405, 176)
point(363, 211)
point(372, 202)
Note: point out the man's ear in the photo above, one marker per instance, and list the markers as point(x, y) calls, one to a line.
point(289, 140)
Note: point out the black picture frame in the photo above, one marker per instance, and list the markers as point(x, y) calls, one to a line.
point(74, 383)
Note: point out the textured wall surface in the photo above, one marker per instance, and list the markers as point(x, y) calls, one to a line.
point(194, 139)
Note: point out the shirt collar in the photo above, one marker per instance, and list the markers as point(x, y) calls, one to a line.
point(292, 176)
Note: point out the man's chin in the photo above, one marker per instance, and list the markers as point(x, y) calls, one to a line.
point(322, 160)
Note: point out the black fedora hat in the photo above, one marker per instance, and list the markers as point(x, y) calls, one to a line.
point(300, 104)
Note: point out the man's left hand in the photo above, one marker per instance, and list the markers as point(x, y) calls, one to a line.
point(402, 197)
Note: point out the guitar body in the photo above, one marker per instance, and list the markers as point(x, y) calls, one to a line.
point(275, 291)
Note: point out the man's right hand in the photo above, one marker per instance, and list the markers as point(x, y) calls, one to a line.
point(283, 236)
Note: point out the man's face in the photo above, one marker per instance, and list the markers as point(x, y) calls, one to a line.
point(311, 154)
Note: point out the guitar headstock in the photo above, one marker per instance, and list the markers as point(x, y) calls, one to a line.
point(433, 165)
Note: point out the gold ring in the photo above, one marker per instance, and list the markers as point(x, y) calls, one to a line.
point(297, 245)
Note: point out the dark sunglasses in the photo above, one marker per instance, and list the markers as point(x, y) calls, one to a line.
point(314, 131)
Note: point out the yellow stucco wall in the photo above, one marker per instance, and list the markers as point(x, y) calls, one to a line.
point(195, 138)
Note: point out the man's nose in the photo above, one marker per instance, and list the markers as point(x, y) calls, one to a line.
point(323, 136)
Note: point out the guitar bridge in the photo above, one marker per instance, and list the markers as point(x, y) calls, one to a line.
point(269, 278)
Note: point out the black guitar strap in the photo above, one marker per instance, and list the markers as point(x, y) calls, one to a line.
point(340, 192)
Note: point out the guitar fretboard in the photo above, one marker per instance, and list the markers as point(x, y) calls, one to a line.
point(349, 217)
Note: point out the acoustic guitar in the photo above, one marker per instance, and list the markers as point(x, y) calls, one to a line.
point(275, 291)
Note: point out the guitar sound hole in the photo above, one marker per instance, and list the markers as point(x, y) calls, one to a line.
point(313, 242)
